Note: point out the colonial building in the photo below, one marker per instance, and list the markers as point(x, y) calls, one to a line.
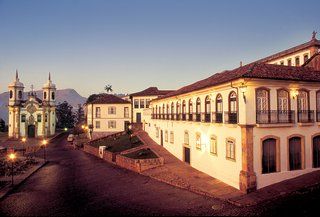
point(249, 127)
point(107, 114)
point(141, 100)
point(31, 117)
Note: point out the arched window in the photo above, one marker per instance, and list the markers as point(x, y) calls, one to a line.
point(168, 111)
point(233, 108)
point(207, 107)
point(262, 105)
point(153, 113)
point(166, 136)
point(316, 151)
point(198, 109)
point(295, 153)
point(284, 113)
point(172, 111)
point(163, 111)
point(44, 95)
point(269, 155)
point(160, 115)
point(219, 109)
point(186, 138)
point(157, 112)
point(198, 140)
point(52, 95)
point(20, 94)
point(178, 111)
point(11, 94)
point(183, 110)
point(304, 115)
point(190, 110)
point(318, 106)
point(213, 145)
point(231, 148)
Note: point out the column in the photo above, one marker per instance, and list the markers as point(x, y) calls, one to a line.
point(248, 179)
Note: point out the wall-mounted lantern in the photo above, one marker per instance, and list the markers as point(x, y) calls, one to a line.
point(243, 90)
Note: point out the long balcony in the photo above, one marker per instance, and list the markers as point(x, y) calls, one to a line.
point(231, 117)
point(306, 116)
point(275, 117)
point(217, 117)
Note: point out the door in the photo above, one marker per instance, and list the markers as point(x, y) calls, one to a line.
point(138, 117)
point(316, 152)
point(126, 125)
point(295, 162)
point(186, 154)
point(31, 131)
point(161, 138)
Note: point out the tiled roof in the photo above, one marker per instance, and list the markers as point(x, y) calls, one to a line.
point(107, 99)
point(313, 42)
point(151, 91)
point(253, 70)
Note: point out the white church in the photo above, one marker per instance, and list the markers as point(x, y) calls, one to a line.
point(32, 117)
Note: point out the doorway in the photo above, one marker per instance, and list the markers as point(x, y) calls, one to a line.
point(186, 151)
point(138, 117)
point(31, 131)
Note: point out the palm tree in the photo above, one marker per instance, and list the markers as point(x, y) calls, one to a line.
point(108, 88)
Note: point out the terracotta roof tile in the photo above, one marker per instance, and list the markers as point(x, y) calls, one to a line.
point(151, 91)
point(107, 99)
point(253, 70)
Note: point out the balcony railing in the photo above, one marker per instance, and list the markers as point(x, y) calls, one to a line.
point(217, 117)
point(172, 116)
point(231, 117)
point(206, 117)
point(184, 116)
point(190, 117)
point(198, 117)
point(318, 116)
point(275, 117)
point(306, 116)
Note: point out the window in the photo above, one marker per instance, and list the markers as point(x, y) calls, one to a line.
point(233, 108)
point(112, 110)
point(269, 155)
point(178, 110)
point(282, 63)
point(38, 118)
point(126, 112)
point(147, 103)
point(52, 95)
point(207, 108)
point(45, 95)
point(97, 124)
point(20, 94)
point(184, 107)
point(166, 136)
point(219, 109)
point(230, 149)
point(141, 103)
point(316, 151)
point(186, 138)
point(284, 114)
point(297, 61)
point(295, 153)
point(157, 132)
point(46, 117)
point(303, 100)
point(262, 105)
point(136, 103)
point(213, 145)
point(198, 141)
point(111, 124)
point(318, 105)
point(171, 137)
point(11, 94)
point(305, 58)
point(172, 110)
point(98, 112)
point(289, 62)
point(23, 118)
point(198, 109)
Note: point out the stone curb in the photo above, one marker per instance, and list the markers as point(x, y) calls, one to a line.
point(18, 180)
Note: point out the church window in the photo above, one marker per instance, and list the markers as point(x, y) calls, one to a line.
point(23, 118)
point(20, 94)
point(45, 95)
point(297, 61)
point(38, 118)
point(53, 96)
point(11, 94)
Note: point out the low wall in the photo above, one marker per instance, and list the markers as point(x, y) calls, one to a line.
point(91, 150)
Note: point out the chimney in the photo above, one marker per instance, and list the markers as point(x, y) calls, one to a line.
point(240, 63)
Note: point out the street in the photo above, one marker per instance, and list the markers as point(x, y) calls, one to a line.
point(74, 183)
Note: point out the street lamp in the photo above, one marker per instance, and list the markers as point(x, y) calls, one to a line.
point(44, 143)
point(23, 145)
point(12, 157)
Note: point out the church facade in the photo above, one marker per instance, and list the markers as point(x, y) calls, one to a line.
point(31, 117)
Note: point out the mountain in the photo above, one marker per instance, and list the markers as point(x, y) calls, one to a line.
point(69, 95)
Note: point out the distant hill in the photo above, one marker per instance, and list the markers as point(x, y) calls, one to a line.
point(69, 95)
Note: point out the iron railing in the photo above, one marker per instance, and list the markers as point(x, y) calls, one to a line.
point(275, 117)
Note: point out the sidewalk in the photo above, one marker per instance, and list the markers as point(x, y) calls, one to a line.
point(179, 174)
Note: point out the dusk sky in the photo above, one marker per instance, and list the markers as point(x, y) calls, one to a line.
point(135, 44)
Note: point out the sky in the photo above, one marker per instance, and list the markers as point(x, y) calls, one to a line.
point(135, 44)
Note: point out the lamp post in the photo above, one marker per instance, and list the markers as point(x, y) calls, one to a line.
point(12, 157)
point(44, 143)
point(23, 145)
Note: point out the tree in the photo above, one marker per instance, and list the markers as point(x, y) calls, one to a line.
point(80, 114)
point(65, 115)
point(2, 125)
point(108, 88)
